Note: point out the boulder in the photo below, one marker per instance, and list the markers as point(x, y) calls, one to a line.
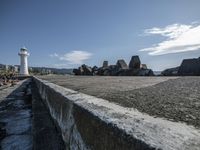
point(135, 62)
point(105, 64)
point(83, 70)
point(113, 70)
point(170, 72)
point(109, 71)
point(145, 72)
point(100, 71)
point(122, 72)
point(95, 70)
point(121, 64)
point(120, 69)
point(143, 66)
point(86, 70)
point(189, 67)
point(77, 71)
point(106, 72)
point(132, 72)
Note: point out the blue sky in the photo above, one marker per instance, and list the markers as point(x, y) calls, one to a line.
point(66, 33)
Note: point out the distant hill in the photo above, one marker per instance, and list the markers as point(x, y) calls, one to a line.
point(38, 69)
point(157, 73)
point(53, 70)
point(188, 67)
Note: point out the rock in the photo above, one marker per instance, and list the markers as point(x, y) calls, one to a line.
point(137, 72)
point(95, 70)
point(134, 63)
point(123, 72)
point(145, 72)
point(13, 83)
point(86, 70)
point(170, 72)
point(76, 71)
point(113, 70)
point(5, 83)
point(83, 70)
point(121, 64)
point(4, 78)
point(105, 64)
point(132, 72)
point(106, 72)
point(143, 66)
point(189, 67)
point(100, 71)
point(120, 69)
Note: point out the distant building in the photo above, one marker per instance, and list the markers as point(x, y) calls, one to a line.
point(45, 71)
point(16, 68)
point(4, 67)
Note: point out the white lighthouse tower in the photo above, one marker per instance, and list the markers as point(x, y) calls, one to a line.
point(23, 61)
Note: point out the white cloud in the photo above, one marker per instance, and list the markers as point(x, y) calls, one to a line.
point(53, 55)
point(180, 38)
point(76, 57)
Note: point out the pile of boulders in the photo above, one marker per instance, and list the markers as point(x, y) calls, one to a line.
point(8, 79)
point(188, 67)
point(170, 71)
point(135, 68)
point(83, 70)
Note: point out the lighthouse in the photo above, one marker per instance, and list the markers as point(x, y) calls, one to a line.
point(23, 61)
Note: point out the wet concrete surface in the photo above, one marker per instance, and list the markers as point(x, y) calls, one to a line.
point(173, 98)
point(25, 123)
point(16, 119)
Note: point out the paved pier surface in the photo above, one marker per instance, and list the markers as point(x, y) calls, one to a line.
point(173, 98)
point(15, 118)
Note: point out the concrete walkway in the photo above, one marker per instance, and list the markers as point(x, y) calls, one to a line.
point(16, 119)
point(90, 122)
point(174, 98)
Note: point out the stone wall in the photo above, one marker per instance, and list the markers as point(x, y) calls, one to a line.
point(87, 122)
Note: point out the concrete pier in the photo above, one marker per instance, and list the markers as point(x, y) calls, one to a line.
point(57, 117)
point(173, 98)
point(87, 122)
